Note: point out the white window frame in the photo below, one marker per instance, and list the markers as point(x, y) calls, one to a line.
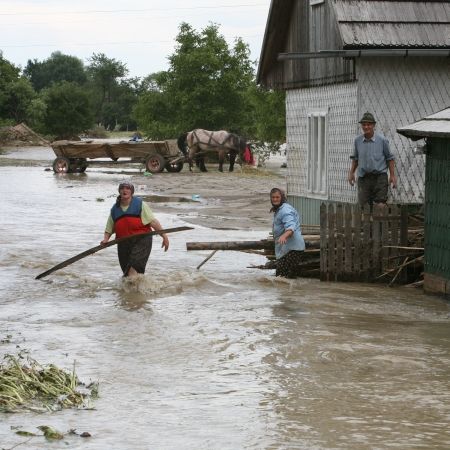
point(317, 163)
point(316, 2)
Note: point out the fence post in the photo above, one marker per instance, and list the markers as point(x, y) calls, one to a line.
point(339, 241)
point(349, 242)
point(324, 244)
point(331, 243)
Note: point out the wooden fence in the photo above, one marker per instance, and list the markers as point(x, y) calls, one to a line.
point(357, 244)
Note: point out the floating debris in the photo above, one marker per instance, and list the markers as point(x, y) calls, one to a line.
point(50, 433)
point(35, 387)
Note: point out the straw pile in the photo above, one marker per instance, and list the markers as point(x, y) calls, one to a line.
point(32, 386)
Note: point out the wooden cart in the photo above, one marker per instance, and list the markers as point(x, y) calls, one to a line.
point(75, 156)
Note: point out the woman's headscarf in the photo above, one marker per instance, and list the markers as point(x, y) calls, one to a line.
point(125, 183)
point(283, 198)
point(128, 184)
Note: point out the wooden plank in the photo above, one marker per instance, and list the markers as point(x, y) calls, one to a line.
point(404, 225)
point(339, 241)
point(331, 243)
point(348, 242)
point(378, 213)
point(366, 253)
point(323, 242)
point(394, 237)
point(232, 245)
point(356, 243)
point(97, 248)
point(385, 235)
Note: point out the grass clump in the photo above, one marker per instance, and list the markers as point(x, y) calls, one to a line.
point(32, 386)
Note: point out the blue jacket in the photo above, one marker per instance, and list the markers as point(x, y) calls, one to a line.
point(287, 218)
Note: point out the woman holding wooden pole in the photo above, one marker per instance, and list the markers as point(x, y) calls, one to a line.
point(131, 216)
point(289, 243)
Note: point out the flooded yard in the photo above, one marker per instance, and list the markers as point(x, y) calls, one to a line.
point(225, 357)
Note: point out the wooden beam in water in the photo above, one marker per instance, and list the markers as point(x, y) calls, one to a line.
point(264, 244)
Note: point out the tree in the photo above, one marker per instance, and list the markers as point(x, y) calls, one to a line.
point(58, 67)
point(205, 86)
point(68, 110)
point(9, 73)
point(17, 97)
point(105, 80)
point(268, 110)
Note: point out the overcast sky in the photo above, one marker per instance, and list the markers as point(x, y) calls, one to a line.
point(139, 33)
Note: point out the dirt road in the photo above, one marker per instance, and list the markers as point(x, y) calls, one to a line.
point(236, 200)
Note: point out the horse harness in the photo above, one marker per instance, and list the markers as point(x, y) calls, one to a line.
point(214, 141)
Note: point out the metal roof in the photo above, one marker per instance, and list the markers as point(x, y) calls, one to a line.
point(436, 125)
point(365, 24)
point(393, 23)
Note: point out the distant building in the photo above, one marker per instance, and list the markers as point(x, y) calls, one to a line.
point(337, 59)
point(436, 130)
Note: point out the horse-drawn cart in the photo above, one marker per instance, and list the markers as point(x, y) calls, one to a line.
point(75, 156)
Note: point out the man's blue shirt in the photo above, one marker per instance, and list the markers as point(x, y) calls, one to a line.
point(372, 154)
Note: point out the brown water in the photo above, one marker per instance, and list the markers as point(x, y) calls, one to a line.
point(227, 357)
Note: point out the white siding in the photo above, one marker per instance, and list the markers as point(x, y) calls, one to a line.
point(340, 102)
point(400, 91)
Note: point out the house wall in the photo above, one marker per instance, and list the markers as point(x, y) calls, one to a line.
point(324, 35)
point(310, 28)
point(340, 100)
point(400, 91)
point(397, 91)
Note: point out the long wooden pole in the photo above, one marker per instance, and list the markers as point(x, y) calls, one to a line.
point(97, 248)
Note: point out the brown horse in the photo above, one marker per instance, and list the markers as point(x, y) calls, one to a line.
point(201, 141)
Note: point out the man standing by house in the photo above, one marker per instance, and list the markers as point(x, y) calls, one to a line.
point(372, 157)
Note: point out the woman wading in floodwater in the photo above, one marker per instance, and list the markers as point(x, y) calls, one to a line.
point(131, 216)
point(289, 243)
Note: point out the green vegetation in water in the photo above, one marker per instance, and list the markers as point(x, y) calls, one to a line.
point(35, 387)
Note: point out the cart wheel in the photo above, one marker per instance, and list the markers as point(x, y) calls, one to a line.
point(155, 163)
point(175, 167)
point(61, 165)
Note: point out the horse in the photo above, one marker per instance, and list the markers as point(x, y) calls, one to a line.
point(199, 160)
point(199, 142)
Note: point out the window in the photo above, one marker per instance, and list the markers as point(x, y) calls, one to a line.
point(316, 2)
point(317, 152)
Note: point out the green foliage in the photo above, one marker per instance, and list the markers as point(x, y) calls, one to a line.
point(205, 86)
point(98, 132)
point(17, 96)
point(68, 110)
point(113, 96)
point(58, 67)
point(13, 92)
point(8, 72)
point(35, 114)
point(268, 110)
point(209, 84)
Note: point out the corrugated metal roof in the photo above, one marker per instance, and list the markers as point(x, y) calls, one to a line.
point(436, 125)
point(391, 24)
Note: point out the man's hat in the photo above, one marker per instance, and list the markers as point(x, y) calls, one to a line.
point(368, 117)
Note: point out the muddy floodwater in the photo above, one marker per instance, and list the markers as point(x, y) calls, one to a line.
point(225, 357)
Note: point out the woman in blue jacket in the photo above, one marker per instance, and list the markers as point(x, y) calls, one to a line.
point(289, 243)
